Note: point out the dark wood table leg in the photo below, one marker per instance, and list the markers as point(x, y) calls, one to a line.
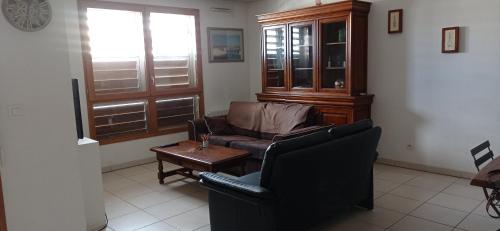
point(161, 174)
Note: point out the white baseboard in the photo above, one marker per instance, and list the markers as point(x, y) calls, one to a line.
point(425, 168)
point(402, 164)
point(128, 164)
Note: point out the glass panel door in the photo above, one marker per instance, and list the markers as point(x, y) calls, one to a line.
point(275, 53)
point(302, 54)
point(333, 58)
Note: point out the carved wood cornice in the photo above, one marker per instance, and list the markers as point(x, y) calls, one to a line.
point(351, 5)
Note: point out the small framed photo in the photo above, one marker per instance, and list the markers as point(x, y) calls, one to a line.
point(395, 21)
point(225, 45)
point(450, 40)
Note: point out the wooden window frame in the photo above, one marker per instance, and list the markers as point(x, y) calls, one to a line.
point(151, 92)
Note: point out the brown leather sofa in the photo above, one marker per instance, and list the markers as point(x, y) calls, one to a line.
point(253, 126)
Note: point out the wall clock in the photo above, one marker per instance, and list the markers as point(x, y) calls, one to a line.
point(27, 15)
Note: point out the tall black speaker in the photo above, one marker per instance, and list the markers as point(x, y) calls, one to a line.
point(78, 110)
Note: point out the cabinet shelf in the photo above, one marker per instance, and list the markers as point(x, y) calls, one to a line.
point(336, 43)
point(302, 68)
point(335, 68)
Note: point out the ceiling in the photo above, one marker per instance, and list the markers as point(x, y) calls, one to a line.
point(242, 0)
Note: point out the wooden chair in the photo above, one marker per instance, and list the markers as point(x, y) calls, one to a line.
point(479, 160)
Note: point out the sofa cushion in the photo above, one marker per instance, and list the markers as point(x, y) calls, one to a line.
point(218, 125)
point(277, 148)
point(245, 115)
point(268, 136)
point(226, 140)
point(265, 120)
point(256, 147)
point(283, 118)
point(245, 132)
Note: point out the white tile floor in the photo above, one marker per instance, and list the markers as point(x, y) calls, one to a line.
point(406, 200)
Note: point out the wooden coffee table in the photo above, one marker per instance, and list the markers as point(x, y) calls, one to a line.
point(190, 156)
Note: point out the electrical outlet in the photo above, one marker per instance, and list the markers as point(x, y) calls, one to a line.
point(16, 110)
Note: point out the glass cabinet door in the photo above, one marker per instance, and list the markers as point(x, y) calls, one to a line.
point(333, 55)
point(302, 54)
point(275, 53)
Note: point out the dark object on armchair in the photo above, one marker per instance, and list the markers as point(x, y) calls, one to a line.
point(253, 126)
point(303, 181)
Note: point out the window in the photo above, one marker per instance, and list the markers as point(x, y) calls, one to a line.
point(142, 69)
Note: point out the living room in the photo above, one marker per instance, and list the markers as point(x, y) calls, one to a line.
point(432, 107)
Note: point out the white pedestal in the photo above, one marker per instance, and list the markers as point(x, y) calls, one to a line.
point(90, 169)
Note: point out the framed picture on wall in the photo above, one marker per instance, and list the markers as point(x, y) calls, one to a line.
point(395, 21)
point(450, 40)
point(225, 45)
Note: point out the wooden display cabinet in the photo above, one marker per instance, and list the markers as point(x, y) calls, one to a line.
point(318, 55)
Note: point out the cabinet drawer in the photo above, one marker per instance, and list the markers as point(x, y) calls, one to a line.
point(336, 116)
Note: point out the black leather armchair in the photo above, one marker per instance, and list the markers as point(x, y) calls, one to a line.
point(303, 181)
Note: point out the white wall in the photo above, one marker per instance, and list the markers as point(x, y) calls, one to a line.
point(442, 104)
point(41, 182)
point(223, 82)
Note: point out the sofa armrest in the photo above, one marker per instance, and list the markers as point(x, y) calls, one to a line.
point(218, 125)
point(234, 188)
point(197, 127)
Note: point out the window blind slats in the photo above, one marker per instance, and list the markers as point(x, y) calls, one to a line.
point(175, 112)
point(111, 119)
point(118, 108)
point(171, 72)
point(116, 131)
point(119, 118)
point(115, 65)
point(180, 62)
point(116, 76)
point(176, 121)
point(165, 104)
point(172, 80)
point(116, 84)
